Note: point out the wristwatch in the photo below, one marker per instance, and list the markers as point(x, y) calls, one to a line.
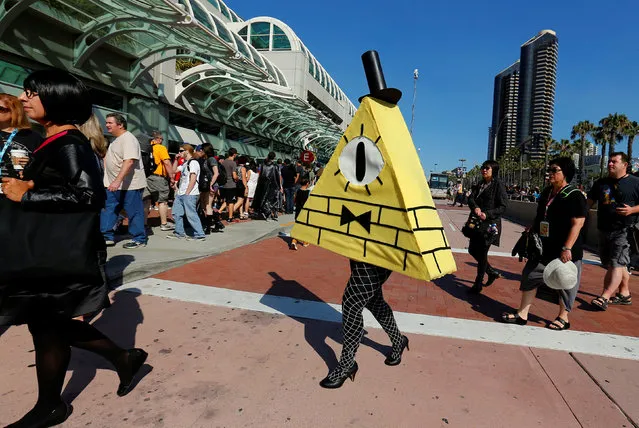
point(564, 248)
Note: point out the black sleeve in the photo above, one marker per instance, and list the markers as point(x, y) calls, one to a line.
point(577, 205)
point(80, 189)
point(501, 202)
point(472, 204)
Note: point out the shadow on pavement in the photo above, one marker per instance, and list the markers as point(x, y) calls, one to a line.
point(115, 267)
point(315, 331)
point(119, 323)
point(481, 303)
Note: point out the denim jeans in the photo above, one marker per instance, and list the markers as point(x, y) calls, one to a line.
point(289, 193)
point(131, 202)
point(185, 206)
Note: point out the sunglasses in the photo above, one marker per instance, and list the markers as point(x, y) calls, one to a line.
point(485, 168)
point(553, 170)
point(181, 150)
point(30, 94)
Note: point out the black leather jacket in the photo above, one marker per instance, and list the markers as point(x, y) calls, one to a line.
point(67, 177)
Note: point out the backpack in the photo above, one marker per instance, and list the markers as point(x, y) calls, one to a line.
point(221, 178)
point(204, 183)
point(148, 161)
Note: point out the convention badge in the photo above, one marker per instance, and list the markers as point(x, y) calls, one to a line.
point(544, 229)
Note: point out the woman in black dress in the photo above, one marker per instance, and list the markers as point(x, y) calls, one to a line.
point(52, 254)
point(487, 202)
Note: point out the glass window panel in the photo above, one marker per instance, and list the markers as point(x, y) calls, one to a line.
point(281, 77)
point(261, 28)
point(222, 31)
point(316, 72)
point(243, 32)
point(260, 42)
point(281, 42)
point(241, 45)
point(277, 30)
point(202, 16)
point(225, 10)
point(311, 67)
point(257, 58)
point(271, 70)
point(260, 35)
point(215, 3)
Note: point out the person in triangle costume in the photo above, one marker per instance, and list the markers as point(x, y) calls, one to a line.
point(373, 205)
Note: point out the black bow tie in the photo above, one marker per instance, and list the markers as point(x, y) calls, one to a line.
point(363, 219)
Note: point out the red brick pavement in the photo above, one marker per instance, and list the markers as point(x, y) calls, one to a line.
point(313, 273)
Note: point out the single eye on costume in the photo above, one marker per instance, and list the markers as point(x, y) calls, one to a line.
point(361, 162)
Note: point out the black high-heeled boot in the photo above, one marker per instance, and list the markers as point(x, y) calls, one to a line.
point(394, 359)
point(333, 382)
point(35, 420)
point(208, 220)
point(136, 359)
point(492, 276)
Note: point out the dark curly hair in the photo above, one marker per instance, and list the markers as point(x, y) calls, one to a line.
point(567, 166)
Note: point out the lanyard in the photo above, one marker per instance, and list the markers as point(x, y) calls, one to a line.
point(552, 199)
point(7, 144)
point(50, 140)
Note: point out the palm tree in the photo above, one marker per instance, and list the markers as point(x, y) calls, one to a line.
point(563, 148)
point(631, 130)
point(613, 126)
point(598, 135)
point(580, 131)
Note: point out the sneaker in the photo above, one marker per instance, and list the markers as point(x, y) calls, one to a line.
point(196, 238)
point(133, 244)
point(175, 236)
point(109, 242)
point(166, 227)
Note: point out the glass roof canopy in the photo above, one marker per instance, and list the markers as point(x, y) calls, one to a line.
point(155, 31)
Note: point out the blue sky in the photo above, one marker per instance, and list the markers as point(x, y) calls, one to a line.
point(458, 47)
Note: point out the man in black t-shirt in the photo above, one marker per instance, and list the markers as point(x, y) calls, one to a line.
point(617, 198)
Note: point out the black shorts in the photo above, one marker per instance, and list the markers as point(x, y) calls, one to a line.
point(240, 189)
point(228, 194)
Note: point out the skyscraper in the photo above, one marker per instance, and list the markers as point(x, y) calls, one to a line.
point(537, 81)
point(524, 99)
point(503, 132)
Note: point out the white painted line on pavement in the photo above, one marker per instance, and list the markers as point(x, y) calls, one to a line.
point(504, 254)
point(452, 227)
point(608, 345)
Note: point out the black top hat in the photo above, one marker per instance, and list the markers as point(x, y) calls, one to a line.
point(376, 82)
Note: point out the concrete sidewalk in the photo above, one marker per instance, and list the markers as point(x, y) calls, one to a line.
point(161, 254)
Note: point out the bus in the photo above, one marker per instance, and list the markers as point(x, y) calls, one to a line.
point(438, 184)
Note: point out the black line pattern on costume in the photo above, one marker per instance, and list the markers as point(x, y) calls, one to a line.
point(377, 140)
point(361, 134)
point(444, 237)
point(337, 172)
point(328, 206)
point(365, 242)
point(346, 139)
point(437, 263)
point(404, 210)
point(396, 237)
point(339, 232)
point(308, 216)
point(368, 190)
point(380, 180)
point(346, 187)
point(348, 228)
point(405, 257)
point(416, 220)
point(379, 215)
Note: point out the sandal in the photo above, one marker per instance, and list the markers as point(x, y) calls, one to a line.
point(564, 325)
point(600, 303)
point(509, 318)
point(292, 246)
point(620, 299)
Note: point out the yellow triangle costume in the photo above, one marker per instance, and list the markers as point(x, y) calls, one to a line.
point(373, 204)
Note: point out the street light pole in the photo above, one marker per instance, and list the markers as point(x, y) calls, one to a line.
point(412, 119)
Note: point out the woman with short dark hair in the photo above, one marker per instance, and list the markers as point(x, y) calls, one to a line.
point(53, 253)
point(561, 213)
point(487, 203)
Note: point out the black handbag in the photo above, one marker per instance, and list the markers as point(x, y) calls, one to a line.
point(472, 226)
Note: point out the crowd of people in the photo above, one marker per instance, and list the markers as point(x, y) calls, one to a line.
point(553, 243)
point(200, 188)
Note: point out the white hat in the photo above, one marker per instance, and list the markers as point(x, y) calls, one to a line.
point(560, 276)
